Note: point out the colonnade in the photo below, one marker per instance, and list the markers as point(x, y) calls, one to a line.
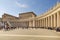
point(49, 21)
point(24, 24)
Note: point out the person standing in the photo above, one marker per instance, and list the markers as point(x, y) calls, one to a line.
point(6, 26)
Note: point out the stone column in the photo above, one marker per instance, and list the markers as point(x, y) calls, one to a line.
point(58, 19)
point(37, 23)
point(54, 20)
point(43, 22)
point(46, 22)
point(51, 20)
point(30, 23)
point(40, 23)
point(33, 23)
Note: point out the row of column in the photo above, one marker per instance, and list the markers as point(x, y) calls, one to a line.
point(24, 24)
point(50, 21)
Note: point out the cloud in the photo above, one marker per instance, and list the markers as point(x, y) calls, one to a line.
point(2, 11)
point(22, 5)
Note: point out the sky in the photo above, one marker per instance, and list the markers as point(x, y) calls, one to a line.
point(14, 7)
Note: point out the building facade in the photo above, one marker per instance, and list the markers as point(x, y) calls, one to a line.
point(49, 19)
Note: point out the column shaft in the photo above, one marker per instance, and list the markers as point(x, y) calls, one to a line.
point(54, 20)
point(58, 19)
point(33, 23)
point(40, 22)
point(46, 22)
point(51, 20)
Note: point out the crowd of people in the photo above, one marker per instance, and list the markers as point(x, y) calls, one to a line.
point(4, 26)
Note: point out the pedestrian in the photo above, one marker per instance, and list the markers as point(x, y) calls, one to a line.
point(6, 26)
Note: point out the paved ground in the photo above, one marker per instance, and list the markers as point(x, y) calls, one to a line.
point(29, 34)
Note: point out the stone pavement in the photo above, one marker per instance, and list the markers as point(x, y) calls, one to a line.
point(29, 34)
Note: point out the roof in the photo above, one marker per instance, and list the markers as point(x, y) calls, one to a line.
point(10, 15)
point(28, 13)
